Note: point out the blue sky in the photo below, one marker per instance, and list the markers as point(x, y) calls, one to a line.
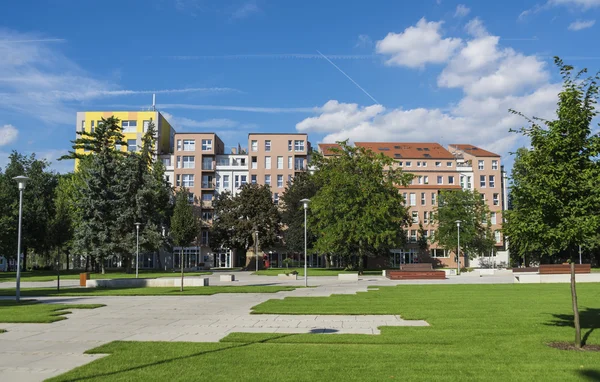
point(434, 70)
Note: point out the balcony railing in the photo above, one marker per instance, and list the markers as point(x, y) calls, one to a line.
point(299, 167)
point(208, 184)
point(208, 167)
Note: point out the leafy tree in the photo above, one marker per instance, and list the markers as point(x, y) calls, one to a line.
point(184, 224)
point(62, 224)
point(357, 208)
point(292, 212)
point(237, 218)
point(476, 235)
point(422, 241)
point(557, 178)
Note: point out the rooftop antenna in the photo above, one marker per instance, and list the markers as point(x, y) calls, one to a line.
point(153, 101)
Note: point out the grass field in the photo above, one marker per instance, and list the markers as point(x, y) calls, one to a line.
point(311, 272)
point(31, 311)
point(155, 291)
point(74, 275)
point(477, 332)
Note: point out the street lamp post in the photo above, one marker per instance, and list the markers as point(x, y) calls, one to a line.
point(305, 202)
point(137, 248)
point(22, 180)
point(458, 250)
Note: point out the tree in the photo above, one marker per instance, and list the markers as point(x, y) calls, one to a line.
point(237, 218)
point(184, 224)
point(61, 225)
point(357, 208)
point(422, 241)
point(476, 235)
point(555, 181)
point(300, 187)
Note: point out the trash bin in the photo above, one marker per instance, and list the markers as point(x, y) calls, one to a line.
point(83, 277)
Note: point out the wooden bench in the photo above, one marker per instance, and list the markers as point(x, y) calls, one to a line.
point(416, 267)
point(416, 275)
point(561, 269)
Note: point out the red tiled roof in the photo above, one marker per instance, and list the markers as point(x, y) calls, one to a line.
point(408, 150)
point(325, 148)
point(474, 150)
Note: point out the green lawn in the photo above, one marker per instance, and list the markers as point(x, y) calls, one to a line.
point(595, 269)
point(155, 291)
point(31, 311)
point(477, 332)
point(311, 272)
point(74, 275)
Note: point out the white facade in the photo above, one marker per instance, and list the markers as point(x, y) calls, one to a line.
point(169, 163)
point(231, 172)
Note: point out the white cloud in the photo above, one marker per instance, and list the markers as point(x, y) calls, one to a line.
point(418, 45)
point(583, 4)
point(475, 28)
point(581, 24)
point(492, 78)
point(8, 134)
point(363, 41)
point(461, 10)
point(245, 10)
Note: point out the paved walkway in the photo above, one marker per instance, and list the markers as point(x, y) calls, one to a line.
point(34, 352)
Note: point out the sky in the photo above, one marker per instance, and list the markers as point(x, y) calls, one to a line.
point(431, 70)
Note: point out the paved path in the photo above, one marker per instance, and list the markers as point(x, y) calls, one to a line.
point(34, 352)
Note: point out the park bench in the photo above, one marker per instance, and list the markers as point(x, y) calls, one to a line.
point(419, 271)
point(561, 269)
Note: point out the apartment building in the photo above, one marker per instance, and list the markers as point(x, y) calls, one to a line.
point(276, 158)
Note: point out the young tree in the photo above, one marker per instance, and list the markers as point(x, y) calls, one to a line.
point(292, 212)
point(557, 177)
point(357, 208)
point(184, 224)
point(237, 218)
point(476, 235)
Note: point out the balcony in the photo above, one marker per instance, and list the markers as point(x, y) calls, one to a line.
point(208, 185)
point(208, 166)
point(207, 204)
point(299, 167)
point(233, 164)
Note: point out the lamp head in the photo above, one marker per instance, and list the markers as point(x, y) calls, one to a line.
point(458, 223)
point(22, 180)
point(305, 202)
point(137, 225)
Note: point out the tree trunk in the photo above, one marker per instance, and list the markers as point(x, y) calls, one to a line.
point(87, 263)
point(57, 269)
point(102, 267)
point(181, 262)
point(327, 261)
point(575, 308)
point(360, 259)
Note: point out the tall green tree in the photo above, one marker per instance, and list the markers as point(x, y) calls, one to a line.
point(557, 177)
point(357, 209)
point(238, 217)
point(300, 187)
point(184, 224)
point(476, 236)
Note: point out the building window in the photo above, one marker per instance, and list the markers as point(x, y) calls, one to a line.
point(400, 164)
point(482, 197)
point(497, 236)
point(451, 179)
point(145, 126)
point(493, 217)
point(415, 217)
point(423, 199)
point(168, 178)
point(166, 162)
point(189, 145)
point(448, 164)
point(469, 184)
point(188, 180)
point(438, 164)
point(462, 181)
point(207, 163)
point(178, 161)
point(129, 126)
point(253, 179)
point(480, 165)
point(496, 200)
point(413, 235)
point(424, 164)
point(425, 217)
point(131, 145)
point(482, 181)
point(298, 145)
point(207, 181)
point(207, 197)
point(268, 163)
point(82, 125)
point(254, 163)
point(236, 181)
point(290, 162)
point(179, 145)
point(191, 197)
point(289, 178)
point(413, 199)
point(420, 179)
point(280, 181)
point(268, 180)
point(254, 146)
point(225, 181)
point(207, 145)
point(492, 181)
point(178, 181)
point(426, 178)
point(268, 145)
point(188, 162)
point(290, 146)
point(92, 129)
point(207, 215)
point(218, 181)
point(276, 197)
point(280, 163)
point(408, 164)
point(439, 252)
point(433, 198)
point(494, 165)
point(204, 237)
point(299, 164)
point(418, 164)
point(243, 179)
point(440, 179)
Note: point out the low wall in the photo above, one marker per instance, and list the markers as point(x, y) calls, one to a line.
point(543, 279)
point(348, 276)
point(145, 283)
